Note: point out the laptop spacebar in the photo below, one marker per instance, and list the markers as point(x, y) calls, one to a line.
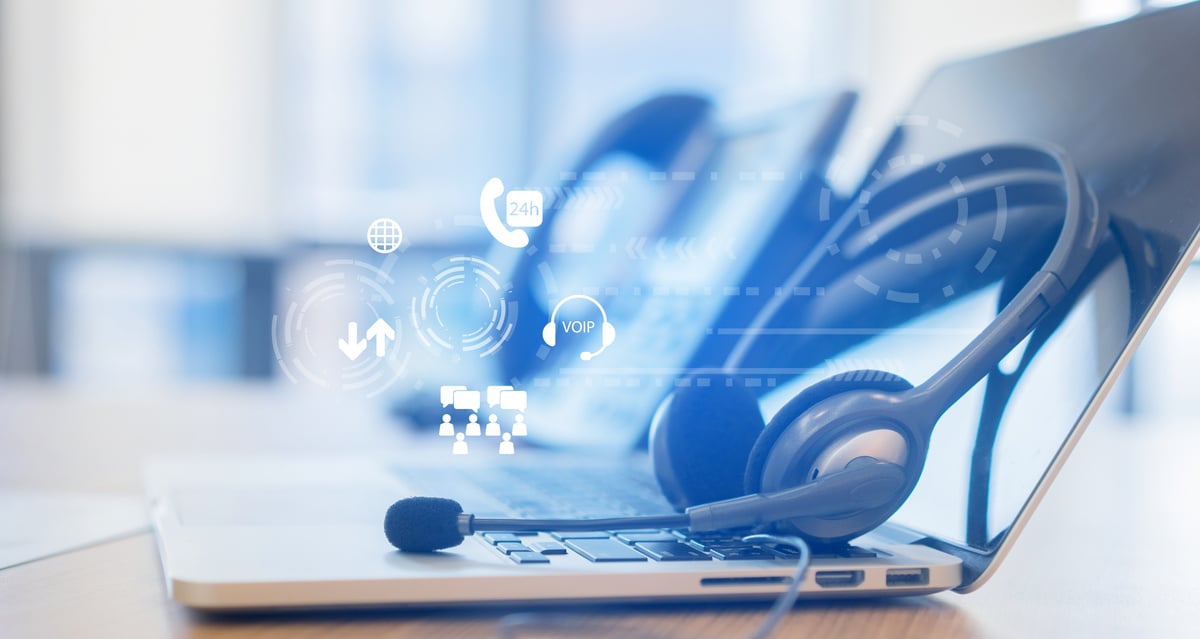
point(604, 550)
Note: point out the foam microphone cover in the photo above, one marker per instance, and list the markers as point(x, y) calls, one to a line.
point(423, 524)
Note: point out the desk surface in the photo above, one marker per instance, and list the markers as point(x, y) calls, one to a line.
point(1106, 555)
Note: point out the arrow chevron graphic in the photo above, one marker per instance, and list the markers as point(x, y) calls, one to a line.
point(352, 347)
point(603, 198)
point(381, 332)
point(635, 248)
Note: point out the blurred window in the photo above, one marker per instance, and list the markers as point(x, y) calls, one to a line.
point(160, 158)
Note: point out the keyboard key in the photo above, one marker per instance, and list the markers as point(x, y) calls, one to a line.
point(670, 551)
point(635, 536)
point(547, 547)
point(845, 552)
point(508, 547)
point(716, 544)
point(727, 545)
point(496, 537)
point(563, 536)
point(708, 541)
point(713, 536)
point(735, 554)
point(604, 550)
point(527, 557)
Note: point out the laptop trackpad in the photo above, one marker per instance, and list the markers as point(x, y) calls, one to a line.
point(313, 505)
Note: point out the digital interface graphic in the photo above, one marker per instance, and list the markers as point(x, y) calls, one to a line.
point(947, 243)
point(380, 333)
point(466, 309)
point(505, 420)
point(316, 339)
point(345, 328)
point(523, 209)
point(608, 334)
point(384, 235)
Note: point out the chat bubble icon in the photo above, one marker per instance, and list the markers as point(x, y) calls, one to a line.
point(513, 400)
point(448, 394)
point(493, 394)
point(466, 400)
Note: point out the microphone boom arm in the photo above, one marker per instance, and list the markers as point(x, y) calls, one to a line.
point(865, 483)
point(470, 524)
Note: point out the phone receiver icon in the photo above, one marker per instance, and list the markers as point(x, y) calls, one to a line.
point(512, 238)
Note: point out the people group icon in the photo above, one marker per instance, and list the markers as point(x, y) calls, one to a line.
point(493, 428)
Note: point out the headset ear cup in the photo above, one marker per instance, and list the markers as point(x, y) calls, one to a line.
point(806, 399)
point(608, 334)
point(549, 333)
point(700, 439)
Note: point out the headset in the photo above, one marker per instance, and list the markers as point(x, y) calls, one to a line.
point(873, 414)
point(608, 333)
point(844, 454)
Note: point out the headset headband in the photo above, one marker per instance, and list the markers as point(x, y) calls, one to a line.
point(989, 170)
point(554, 313)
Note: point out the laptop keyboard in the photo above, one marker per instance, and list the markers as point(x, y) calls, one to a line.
point(602, 491)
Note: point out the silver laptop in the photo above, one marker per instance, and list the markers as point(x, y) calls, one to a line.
point(262, 533)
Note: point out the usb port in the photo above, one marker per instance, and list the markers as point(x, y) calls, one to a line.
point(908, 577)
point(839, 578)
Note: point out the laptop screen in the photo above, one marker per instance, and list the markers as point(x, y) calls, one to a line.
point(1122, 101)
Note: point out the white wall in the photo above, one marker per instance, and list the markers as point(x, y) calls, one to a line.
point(146, 121)
point(136, 121)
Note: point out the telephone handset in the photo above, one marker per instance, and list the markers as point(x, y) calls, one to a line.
point(708, 206)
point(522, 209)
point(671, 134)
point(512, 238)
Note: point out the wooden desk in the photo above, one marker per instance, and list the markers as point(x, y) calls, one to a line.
point(1108, 553)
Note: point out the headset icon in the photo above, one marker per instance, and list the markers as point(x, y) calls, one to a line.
point(608, 333)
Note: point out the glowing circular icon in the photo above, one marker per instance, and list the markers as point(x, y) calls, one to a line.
point(341, 329)
point(608, 332)
point(466, 309)
point(901, 249)
point(384, 235)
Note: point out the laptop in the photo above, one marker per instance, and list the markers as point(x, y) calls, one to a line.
point(281, 533)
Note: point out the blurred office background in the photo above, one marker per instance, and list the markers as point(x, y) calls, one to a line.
point(166, 166)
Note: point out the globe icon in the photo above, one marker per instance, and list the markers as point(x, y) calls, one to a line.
point(384, 235)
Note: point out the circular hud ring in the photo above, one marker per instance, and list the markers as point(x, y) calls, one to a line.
point(308, 337)
point(465, 309)
point(955, 221)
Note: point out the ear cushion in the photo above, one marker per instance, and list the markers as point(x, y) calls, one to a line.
point(700, 439)
point(548, 334)
point(806, 399)
point(608, 334)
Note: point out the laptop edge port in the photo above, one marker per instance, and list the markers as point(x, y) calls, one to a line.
point(907, 577)
point(744, 581)
point(839, 578)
